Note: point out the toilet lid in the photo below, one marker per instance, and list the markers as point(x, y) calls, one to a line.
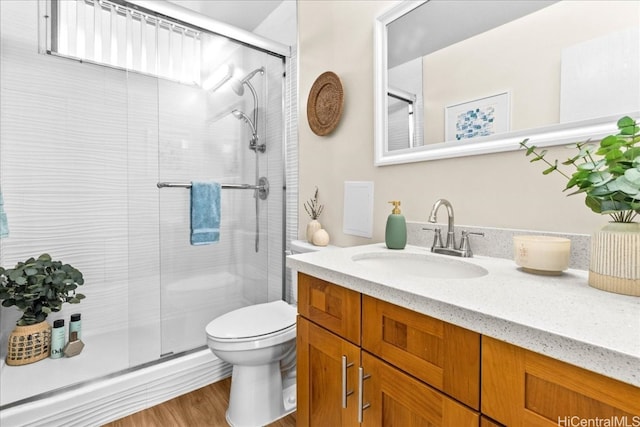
point(253, 321)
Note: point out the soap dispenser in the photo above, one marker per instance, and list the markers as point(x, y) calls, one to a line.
point(395, 234)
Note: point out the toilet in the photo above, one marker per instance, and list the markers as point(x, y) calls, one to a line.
point(259, 341)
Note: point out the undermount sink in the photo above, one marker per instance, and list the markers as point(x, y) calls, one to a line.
point(425, 266)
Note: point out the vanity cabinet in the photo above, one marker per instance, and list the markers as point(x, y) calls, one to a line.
point(395, 376)
point(523, 388)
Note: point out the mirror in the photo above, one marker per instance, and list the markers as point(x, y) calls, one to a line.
point(467, 77)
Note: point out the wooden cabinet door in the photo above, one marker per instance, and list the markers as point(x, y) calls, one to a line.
point(444, 356)
point(331, 306)
point(397, 399)
point(523, 388)
point(319, 378)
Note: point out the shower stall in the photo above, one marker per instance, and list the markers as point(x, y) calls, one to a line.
point(109, 111)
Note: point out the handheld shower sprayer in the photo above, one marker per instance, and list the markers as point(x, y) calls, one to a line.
point(226, 75)
point(242, 116)
point(253, 144)
point(238, 88)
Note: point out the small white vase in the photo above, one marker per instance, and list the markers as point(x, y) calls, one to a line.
point(614, 265)
point(313, 226)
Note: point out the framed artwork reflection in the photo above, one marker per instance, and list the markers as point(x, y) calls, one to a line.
point(477, 118)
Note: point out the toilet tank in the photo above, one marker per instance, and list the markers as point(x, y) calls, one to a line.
point(301, 247)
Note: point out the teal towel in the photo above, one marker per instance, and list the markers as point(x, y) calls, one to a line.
point(4, 225)
point(205, 212)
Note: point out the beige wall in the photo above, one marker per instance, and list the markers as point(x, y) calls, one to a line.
point(496, 190)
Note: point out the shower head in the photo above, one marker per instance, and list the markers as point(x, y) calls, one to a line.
point(238, 85)
point(242, 116)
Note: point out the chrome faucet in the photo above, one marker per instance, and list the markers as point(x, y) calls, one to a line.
point(451, 238)
point(449, 248)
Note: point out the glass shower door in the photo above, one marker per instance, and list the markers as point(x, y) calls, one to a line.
point(201, 139)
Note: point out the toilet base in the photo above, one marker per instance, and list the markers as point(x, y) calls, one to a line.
point(257, 397)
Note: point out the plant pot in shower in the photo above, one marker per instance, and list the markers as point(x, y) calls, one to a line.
point(36, 287)
point(313, 226)
point(29, 344)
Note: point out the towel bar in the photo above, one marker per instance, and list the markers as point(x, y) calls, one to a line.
point(188, 185)
point(262, 187)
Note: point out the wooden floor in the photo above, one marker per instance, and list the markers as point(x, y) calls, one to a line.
point(205, 407)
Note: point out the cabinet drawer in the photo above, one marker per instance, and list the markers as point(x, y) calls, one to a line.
point(523, 388)
point(444, 356)
point(330, 306)
point(397, 399)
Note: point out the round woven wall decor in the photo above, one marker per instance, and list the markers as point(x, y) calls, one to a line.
point(324, 106)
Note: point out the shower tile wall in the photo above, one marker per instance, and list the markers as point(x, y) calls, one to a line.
point(64, 177)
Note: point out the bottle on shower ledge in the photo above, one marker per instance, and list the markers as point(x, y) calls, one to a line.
point(75, 325)
point(57, 339)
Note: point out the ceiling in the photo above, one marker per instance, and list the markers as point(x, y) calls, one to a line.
point(245, 14)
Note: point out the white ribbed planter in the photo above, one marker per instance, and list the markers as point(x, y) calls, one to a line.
point(313, 226)
point(615, 259)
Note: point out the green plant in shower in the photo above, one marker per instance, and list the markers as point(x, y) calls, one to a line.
point(38, 287)
point(607, 173)
point(313, 208)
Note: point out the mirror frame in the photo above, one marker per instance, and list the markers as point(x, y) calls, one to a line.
point(555, 134)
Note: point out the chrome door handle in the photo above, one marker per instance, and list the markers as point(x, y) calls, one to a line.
point(345, 393)
point(361, 405)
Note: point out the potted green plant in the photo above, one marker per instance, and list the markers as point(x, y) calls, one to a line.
point(608, 174)
point(37, 287)
point(313, 209)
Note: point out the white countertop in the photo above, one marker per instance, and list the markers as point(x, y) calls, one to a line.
point(559, 316)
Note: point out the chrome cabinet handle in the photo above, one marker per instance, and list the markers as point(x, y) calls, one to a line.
point(345, 393)
point(361, 405)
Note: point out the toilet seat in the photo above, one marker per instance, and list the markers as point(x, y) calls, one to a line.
point(258, 325)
